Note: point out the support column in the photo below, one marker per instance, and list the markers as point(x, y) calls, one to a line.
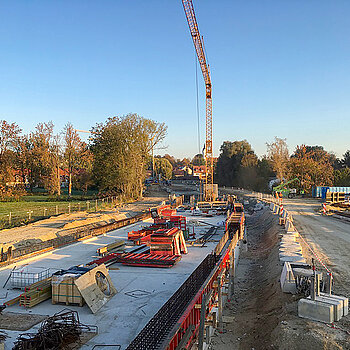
point(220, 323)
point(202, 322)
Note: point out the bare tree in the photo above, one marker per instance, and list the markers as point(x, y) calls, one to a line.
point(278, 154)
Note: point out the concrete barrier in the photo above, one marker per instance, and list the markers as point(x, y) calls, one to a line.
point(316, 310)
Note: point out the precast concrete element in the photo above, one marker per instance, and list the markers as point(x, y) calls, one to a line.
point(288, 238)
point(316, 310)
point(292, 259)
point(344, 300)
point(337, 305)
point(288, 251)
point(287, 279)
point(289, 254)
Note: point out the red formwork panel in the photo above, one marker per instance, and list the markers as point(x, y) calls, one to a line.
point(191, 316)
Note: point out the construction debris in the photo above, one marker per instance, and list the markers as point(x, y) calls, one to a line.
point(56, 332)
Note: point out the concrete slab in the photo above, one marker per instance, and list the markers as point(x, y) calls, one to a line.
point(337, 305)
point(344, 300)
point(128, 312)
point(316, 310)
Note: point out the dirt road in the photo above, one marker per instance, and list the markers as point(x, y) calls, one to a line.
point(330, 237)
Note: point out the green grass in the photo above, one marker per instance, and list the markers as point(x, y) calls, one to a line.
point(41, 205)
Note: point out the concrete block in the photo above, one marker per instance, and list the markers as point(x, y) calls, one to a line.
point(316, 310)
point(289, 238)
point(337, 305)
point(289, 254)
point(292, 259)
point(287, 279)
point(290, 251)
point(344, 300)
point(271, 206)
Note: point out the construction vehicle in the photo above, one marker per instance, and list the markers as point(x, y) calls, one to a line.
point(208, 188)
point(284, 190)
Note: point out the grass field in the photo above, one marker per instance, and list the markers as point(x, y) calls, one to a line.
point(38, 206)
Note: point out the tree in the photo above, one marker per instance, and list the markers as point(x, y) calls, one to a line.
point(9, 134)
point(83, 178)
point(72, 152)
point(40, 168)
point(342, 177)
point(278, 154)
point(229, 162)
point(164, 168)
point(121, 147)
point(312, 166)
point(346, 159)
point(198, 159)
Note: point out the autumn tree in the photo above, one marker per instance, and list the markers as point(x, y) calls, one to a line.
point(73, 148)
point(83, 178)
point(198, 159)
point(121, 147)
point(278, 154)
point(9, 134)
point(312, 166)
point(163, 167)
point(40, 169)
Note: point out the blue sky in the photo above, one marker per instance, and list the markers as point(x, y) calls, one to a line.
point(279, 68)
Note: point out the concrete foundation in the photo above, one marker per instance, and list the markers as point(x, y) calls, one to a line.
point(344, 301)
point(316, 310)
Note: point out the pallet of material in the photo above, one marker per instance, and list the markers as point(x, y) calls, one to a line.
point(34, 297)
point(33, 294)
point(64, 290)
point(149, 260)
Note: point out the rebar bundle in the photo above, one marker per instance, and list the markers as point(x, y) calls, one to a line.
point(55, 333)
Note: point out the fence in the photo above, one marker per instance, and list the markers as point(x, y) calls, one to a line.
point(21, 217)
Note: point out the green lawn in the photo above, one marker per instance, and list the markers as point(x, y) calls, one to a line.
point(38, 206)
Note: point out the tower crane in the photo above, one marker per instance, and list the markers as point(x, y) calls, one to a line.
point(199, 46)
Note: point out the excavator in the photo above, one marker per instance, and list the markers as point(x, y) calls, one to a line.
point(285, 189)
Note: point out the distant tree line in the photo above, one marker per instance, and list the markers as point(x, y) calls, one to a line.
point(238, 165)
point(114, 160)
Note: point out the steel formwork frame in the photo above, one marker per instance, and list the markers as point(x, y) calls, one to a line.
point(180, 321)
point(192, 314)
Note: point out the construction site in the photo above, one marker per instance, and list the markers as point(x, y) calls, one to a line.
point(181, 260)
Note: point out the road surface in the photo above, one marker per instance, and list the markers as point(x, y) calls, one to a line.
point(330, 237)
